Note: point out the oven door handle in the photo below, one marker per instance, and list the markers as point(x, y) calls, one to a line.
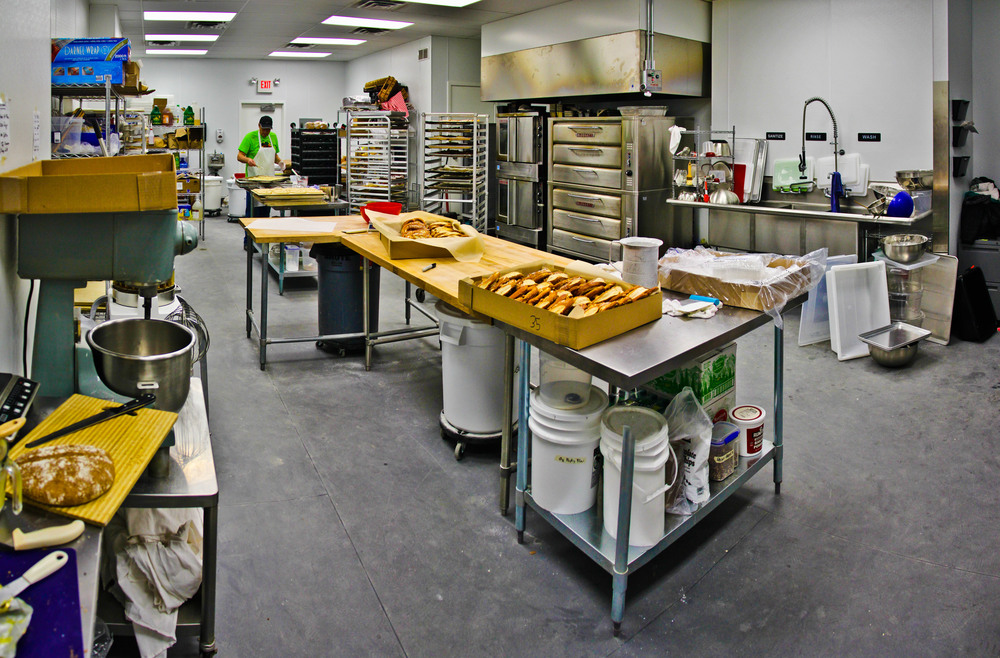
point(586, 219)
point(585, 197)
point(579, 128)
point(582, 240)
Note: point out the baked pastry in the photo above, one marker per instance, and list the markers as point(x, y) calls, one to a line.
point(68, 475)
point(572, 296)
point(416, 228)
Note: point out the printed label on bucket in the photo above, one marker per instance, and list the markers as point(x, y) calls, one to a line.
point(562, 459)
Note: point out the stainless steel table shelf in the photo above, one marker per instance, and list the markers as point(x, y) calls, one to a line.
point(628, 361)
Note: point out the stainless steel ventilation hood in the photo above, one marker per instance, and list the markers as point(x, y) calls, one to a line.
point(611, 64)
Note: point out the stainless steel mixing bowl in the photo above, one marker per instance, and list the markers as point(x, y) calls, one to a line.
point(915, 179)
point(904, 247)
point(133, 356)
point(894, 358)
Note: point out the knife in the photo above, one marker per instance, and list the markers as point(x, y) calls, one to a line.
point(143, 400)
point(44, 567)
point(54, 536)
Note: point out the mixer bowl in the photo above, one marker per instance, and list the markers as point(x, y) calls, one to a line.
point(133, 356)
point(904, 247)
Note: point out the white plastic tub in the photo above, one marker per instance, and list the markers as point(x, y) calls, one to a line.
point(564, 475)
point(859, 302)
point(588, 416)
point(561, 385)
point(472, 359)
point(213, 194)
point(237, 199)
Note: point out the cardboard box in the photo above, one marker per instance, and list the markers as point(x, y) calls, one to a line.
point(86, 73)
point(776, 286)
point(188, 184)
point(575, 333)
point(191, 137)
point(130, 74)
point(712, 378)
point(91, 50)
point(465, 249)
point(90, 185)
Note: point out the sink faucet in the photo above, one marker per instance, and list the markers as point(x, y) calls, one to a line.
point(836, 185)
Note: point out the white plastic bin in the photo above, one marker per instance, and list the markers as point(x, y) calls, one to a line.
point(564, 475)
point(561, 385)
point(213, 194)
point(237, 199)
point(472, 353)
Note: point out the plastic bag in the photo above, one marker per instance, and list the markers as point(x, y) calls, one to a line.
point(690, 431)
point(765, 282)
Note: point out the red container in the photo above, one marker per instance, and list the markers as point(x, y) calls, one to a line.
point(388, 207)
point(239, 175)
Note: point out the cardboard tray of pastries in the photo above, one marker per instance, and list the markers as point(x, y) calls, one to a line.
point(575, 305)
point(425, 235)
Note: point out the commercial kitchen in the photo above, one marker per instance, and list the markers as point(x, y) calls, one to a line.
point(557, 328)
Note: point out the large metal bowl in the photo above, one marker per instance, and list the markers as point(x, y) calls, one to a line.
point(915, 179)
point(133, 356)
point(894, 358)
point(904, 247)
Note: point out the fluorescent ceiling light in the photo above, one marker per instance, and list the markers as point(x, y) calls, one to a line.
point(444, 3)
point(181, 37)
point(173, 51)
point(289, 53)
point(353, 21)
point(197, 16)
point(327, 41)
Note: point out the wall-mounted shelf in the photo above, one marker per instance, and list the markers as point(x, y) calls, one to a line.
point(960, 164)
point(959, 134)
point(959, 108)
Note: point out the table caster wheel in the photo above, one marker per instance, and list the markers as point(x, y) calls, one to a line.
point(459, 451)
point(420, 295)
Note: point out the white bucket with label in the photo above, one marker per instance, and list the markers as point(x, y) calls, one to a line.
point(649, 481)
point(213, 194)
point(569, 420)
point(564, 474)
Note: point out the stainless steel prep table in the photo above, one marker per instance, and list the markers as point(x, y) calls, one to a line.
point(628, 361)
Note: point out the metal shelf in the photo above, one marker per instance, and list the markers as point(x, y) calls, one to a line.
point(455, 149)
point(377, 158)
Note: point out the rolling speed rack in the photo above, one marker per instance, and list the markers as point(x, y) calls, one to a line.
point(377, 157)
point(455, 152)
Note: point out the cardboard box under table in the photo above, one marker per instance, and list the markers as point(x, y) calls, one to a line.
point(712, 378)
point(575, 333)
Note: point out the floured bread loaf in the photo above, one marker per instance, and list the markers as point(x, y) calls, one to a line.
point(66, 475)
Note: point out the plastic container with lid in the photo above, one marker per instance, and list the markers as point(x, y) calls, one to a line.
point(561, 385)
point(723, 454)
point(750, 419)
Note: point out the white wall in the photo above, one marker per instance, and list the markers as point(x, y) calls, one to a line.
point(103, 21)
point(768, 58)
point(308, 89)
point(68, 18)
point(985, 108)
point(583, 19)
point(24, 84)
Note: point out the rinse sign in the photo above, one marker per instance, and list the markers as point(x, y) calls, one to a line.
point(265, 86)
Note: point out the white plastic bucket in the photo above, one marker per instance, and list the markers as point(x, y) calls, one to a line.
point(561, 385)
point(585, 417)
point(472, 354)
point(213, 193)
point(563, 473)
point(649, 485)
point(237, 200)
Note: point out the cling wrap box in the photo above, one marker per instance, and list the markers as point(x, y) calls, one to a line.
point(91, 50)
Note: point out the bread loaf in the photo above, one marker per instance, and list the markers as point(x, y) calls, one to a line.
point(66, 475)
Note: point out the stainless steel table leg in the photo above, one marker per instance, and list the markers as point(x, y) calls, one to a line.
point(262, 343)
point(506, 413)
point(779, 367)
point(281, 268)
point(620, 576)
point(406, 303)
point(523, 441)
point(366, 302)
point(248, 246)
point(208, 580)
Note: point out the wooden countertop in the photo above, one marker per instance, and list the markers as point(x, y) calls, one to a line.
point(343, 222)
point(442, 281)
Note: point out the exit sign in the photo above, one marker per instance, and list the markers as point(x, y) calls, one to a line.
point(265, 86)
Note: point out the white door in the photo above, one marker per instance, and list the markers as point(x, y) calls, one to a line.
point(465, 98)
point(250, 114)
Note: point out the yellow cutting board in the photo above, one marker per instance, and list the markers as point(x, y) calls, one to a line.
point(130, 440)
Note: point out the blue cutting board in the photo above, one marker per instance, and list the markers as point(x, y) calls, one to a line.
point(54, 631)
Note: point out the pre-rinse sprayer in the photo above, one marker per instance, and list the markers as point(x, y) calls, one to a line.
point(836, 185)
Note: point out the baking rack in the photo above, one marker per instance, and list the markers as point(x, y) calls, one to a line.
point(377, 157)
point(455, 151)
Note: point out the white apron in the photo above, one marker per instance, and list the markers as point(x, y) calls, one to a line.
point(264, 158)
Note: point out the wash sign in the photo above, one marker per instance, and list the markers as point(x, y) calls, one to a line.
point(265, 86)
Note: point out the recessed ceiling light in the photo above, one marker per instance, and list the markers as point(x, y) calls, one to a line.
point(203, 16)
point(445, 3)
point(327, 41)
point(181, 37)
point(288, 53)
point(354, 21)
point(173, 51)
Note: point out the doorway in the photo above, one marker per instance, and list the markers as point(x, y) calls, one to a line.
point(252, 111)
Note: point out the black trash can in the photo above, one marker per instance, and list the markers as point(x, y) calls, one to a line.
point(341, 296)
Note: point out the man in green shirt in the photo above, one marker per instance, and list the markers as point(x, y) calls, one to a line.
point(257, 149)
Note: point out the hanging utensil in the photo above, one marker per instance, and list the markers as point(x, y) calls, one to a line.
point(128, 408)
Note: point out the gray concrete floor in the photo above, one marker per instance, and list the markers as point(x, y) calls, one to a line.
point(348, 528)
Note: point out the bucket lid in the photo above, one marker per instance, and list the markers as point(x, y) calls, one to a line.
point(747, 412)
point(455, 316)
point(575, 437)
point(648, 427)
point(588, 414)
point(723, 433)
